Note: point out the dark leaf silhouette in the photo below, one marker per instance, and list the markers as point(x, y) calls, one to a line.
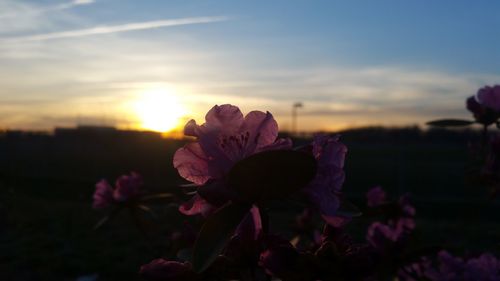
point(450, 123)
point(107, 218)
point(347, 209)
point(215, 234)
point(272, 174)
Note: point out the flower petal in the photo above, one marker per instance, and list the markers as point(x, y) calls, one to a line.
point(490, 97)
point(192, 163)
point(329, 151)
point(225, 117)
point(161, 270)
point(103, 195)
point(375, 196)
point(251, 226)
point(323, 197)
point(336, 221)
point(196, 205)
point(191, 128)
point(324, 189)
point(279, 144)
point(262, 130)
point(127, 187)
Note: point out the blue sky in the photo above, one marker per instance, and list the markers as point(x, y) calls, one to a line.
point(352, 63)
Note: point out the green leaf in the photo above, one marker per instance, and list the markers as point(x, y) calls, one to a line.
point(450, 123)
point(347, 209)
point(215, 234)
point(272, 174)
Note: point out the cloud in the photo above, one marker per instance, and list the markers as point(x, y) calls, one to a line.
point(92, 77)
point(115, 29)
point(21, 10)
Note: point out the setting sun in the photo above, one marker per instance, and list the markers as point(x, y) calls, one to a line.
point(158, 110)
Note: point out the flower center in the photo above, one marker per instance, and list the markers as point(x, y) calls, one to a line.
point(235, 146)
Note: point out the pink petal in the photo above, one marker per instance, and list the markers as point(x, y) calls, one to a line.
point(336, 221)
point(262, 130)
point(103, 195)
point(192, 163)
point(226, 118)
point(251, 226)
point(161, 269)
point(279, 144)
point(191, 129)
point(330, 152)
point(196, 205)
point(490, 97)
point(324, 199)
point(324, 189)
point(127, 187)
point(375, 196)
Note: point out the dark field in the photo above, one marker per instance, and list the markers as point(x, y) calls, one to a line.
point(46, 186)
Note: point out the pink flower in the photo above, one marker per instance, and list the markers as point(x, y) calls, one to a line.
point(485, 105)
point(103, 195)
point(164, 270)
point(375, 196)
point(325, 189)
point(486, 267)
point(473, 106)
point(127, 187)
point(383, 236)
point(489, 97)
point(224, 139)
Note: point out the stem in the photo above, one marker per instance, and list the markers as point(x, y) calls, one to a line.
point(484, 136)
point(140, 226)
point(264, 217)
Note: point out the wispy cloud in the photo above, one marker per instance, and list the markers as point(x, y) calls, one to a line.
point(114, 29)
point(40, 10)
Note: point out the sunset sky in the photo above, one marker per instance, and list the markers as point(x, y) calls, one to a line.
point(156, 64)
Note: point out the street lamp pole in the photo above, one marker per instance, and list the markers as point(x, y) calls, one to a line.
point(294, 116)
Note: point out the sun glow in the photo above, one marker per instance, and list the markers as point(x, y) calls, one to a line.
point(159, 110)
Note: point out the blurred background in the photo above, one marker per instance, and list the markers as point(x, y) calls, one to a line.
point(93, 89)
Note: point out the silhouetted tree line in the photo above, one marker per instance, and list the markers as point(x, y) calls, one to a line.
point(85, 154)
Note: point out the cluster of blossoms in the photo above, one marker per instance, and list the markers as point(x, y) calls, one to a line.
point(399, 225)
point(225, 139)
point(485, 105)
point(447, 267)
point(238, 165)
point(127, 189)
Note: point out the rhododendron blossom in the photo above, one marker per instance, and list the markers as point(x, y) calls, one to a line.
point(485, 267)
point(127, 187)
point(398, 227)
point(162, 270)
point(489, 97)
point(485, 105)
point(224, 139)
point(325, 189)
point(375, 196)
